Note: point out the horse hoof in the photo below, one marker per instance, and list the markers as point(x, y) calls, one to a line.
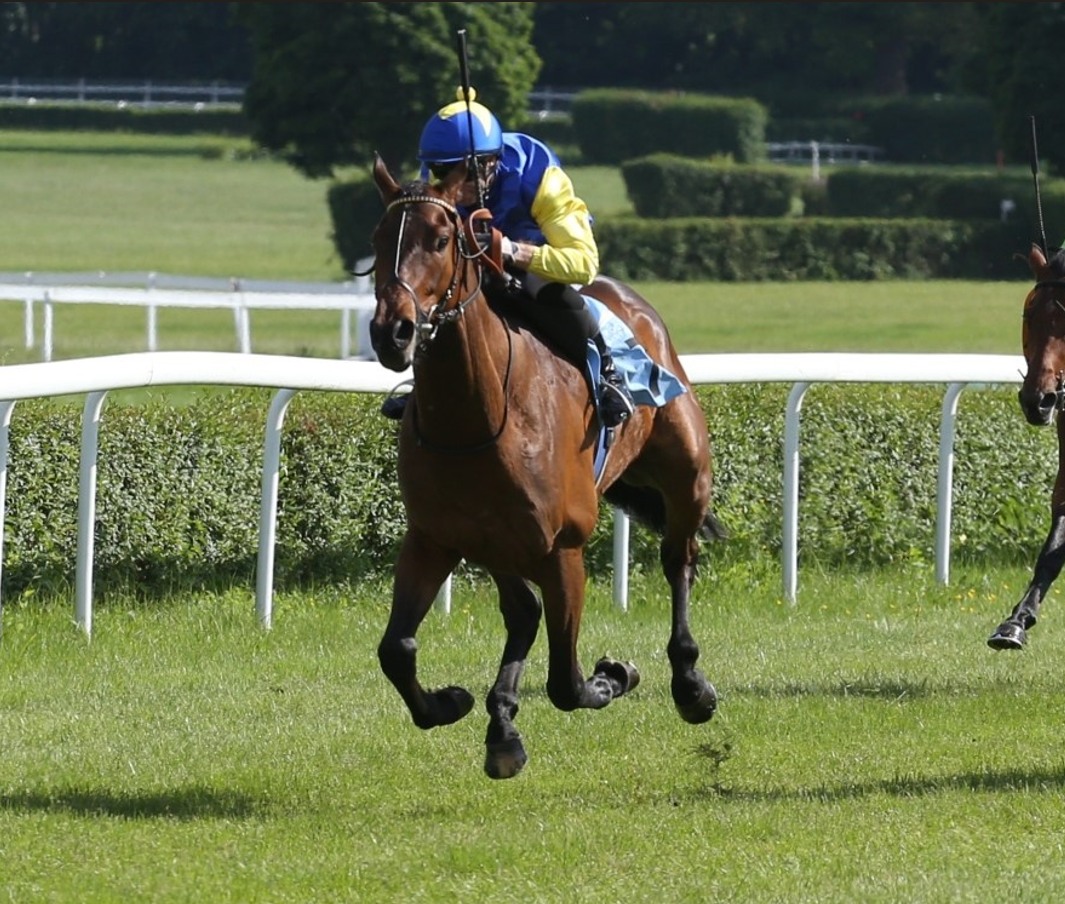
point(702, 707)
point(504, 759)
point(452, 703)
point(1008, 636)
point(622, 674)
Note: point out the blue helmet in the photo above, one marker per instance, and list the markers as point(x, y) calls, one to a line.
point(446, 136)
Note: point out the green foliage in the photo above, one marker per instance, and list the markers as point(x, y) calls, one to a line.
point(817, 248)
point(931, 129)
point(334, 82)
point(179, 489)
point(63, 117)
point(1022, 46)
point(355, 209)
point(666, 185)
point(617, 125)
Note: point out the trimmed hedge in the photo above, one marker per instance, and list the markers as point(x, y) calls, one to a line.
point(728, 250)
point(179, 489)
point(667, 185)
point(58, 117)
point(613, 125)
point(355, 209)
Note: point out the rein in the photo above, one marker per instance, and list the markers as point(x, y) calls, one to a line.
point(428, 325)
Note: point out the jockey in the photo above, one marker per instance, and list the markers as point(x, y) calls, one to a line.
point(548, 246)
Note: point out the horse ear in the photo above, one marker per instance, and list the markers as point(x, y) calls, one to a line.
point(1037, 261)
point(386, 185)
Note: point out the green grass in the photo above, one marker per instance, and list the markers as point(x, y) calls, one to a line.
point(868, 747)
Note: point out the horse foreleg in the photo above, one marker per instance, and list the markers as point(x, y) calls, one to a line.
point(563, 589)
point(505, 755)
point(694, 696)
point(421, 569)
point(1012, 634)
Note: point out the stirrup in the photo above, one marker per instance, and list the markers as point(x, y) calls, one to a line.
point(615, 402)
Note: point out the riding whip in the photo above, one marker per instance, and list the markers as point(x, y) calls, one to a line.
point(1035, 179)
point(464, 73)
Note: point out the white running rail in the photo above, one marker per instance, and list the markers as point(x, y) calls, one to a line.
point(354, 301)
point(97, 376)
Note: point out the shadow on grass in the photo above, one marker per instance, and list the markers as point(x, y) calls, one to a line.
point(870, 688)
point(1002, 781)
point(190, 803)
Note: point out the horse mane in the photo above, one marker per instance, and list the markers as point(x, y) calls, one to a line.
point(413, 189)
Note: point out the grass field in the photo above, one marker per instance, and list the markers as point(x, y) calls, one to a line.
point(868, 747)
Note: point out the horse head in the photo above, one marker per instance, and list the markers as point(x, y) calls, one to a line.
point(1042, 394)
point(419, 263)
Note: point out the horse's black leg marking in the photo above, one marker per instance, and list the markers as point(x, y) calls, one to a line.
point(504, 754)
point(1012, 634)
point(694, 696)
point(421, 569)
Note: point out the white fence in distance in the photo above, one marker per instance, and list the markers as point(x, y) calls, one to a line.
point(150, 291)
point(97, 376)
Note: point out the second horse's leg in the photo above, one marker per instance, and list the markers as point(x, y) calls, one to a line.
point(504, 753)
point(421, 569)
point(1012, 634)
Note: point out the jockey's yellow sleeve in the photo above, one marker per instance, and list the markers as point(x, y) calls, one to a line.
point(571, 254)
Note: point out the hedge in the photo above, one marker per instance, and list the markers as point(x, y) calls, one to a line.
point(771, 249)
point(667, 185)
point(179, 489)
point(613, 125)
point(58, 117)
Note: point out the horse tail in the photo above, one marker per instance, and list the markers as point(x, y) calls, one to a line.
point(647, 506)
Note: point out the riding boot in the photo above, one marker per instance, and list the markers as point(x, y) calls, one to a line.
point(615, 401)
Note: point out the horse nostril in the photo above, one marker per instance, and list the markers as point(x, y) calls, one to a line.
point(1048, 402)
point(402, 333)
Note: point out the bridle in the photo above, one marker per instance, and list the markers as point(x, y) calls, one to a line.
point(427, 325)
point(1059, 389)
point(444, 312)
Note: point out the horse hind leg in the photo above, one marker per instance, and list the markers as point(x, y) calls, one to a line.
point(421, 569)
point(694, 696)
point(505, 754)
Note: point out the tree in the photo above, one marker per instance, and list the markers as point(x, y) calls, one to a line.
point(1023, 44)
point(769, 50)
point(333, 82)
point(159, 41)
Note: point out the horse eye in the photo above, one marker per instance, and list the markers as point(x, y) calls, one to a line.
point(441, 242)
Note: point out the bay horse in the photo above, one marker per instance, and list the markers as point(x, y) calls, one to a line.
point(495, 467)
point(1042, 397)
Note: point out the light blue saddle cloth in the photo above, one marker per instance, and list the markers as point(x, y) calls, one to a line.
point(649, 382)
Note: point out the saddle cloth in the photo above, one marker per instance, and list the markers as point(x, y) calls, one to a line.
point(649, 382)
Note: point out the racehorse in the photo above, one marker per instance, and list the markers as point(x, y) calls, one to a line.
point(1042, 397)
point(495, 467)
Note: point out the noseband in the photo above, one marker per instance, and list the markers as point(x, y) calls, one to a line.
point(427, 325)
